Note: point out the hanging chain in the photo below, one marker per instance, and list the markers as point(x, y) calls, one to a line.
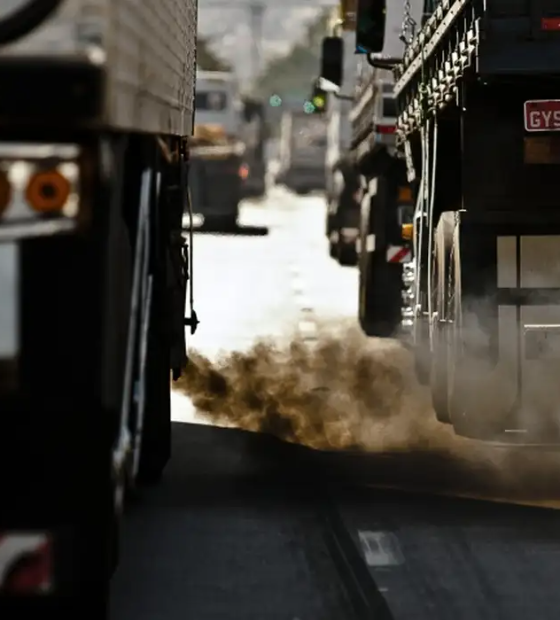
point(408, 26)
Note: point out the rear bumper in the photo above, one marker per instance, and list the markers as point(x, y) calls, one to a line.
point(57, 493)
point(216, 187)
point(253, 187)
point(311, 178)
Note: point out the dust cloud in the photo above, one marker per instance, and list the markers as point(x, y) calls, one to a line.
point(360, 396)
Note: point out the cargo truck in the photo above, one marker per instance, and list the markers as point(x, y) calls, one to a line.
point(343, 183)
point(95, 116)
point(303, 144)
point(254, 134)
point(218, 169)
point(477, 89)
point(386, 199)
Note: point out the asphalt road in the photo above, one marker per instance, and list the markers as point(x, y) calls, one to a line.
point(236, 531)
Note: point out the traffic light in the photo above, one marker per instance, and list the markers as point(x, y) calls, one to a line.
point(370, 26)
point(318, 100)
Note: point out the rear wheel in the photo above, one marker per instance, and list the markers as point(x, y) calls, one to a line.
point(443, 279)
point(347, 254)
point(222, 223)
point(156, 434)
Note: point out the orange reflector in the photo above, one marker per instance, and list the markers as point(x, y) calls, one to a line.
point(48, 191)
point(244, 171)
point(5, 192)
point(407, 231)
point(405, 194)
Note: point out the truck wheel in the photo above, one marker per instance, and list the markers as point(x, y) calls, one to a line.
point(333, 245)
point(347, 255)
point(224, 223)
point(156, 436)
point(443, 300)
point(364, 266)
point(329, 223)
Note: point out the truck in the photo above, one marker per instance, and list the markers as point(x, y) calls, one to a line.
point(96, 114)
point(343, 184)
point(303, 145)
point(254, 134)
point(217, 170)
point(478, 116)
point(386, 200)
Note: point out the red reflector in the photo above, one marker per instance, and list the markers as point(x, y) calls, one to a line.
point(550, 23)
point(386, 129)
point(26, 563)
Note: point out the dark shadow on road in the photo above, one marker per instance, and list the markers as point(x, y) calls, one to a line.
point(237, 521)
point(238, 231)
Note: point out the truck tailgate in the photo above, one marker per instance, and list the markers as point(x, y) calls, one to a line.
point(147, 49)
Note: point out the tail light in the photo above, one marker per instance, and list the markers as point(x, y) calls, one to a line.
point(5, 192)
point(244, 171)
point(385, 129)
point(550, 23)
point(26, 563)
point(40, 187)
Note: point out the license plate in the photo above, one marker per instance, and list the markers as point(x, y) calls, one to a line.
point(542, 115)
point(9, 301)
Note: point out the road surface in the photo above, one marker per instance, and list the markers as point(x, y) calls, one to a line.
point(236, 529)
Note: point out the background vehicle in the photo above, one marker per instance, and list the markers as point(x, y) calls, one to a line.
point(343, 214)
point(254, 136)
point(476, 133)
point(217, 165)
point(386, 193)
point(93, 178)
point(487, 231)
point(303, 145)
point(343, 183)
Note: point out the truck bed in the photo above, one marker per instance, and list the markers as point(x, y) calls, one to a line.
point(147, 52)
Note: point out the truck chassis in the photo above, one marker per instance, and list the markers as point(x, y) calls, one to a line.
point(91, 211)
point(485, 314)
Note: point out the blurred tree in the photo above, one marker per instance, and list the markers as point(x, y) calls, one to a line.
point(207, 60)
point(294, 72)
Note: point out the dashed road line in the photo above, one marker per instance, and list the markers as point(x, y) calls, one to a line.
point(307, 325)
point(380, 549)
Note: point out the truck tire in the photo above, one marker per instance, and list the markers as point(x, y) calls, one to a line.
point(347, 254)
point(439, 372)
point(223, 223)
point(156, 437)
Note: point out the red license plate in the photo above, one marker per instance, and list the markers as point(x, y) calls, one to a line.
point(542, 115)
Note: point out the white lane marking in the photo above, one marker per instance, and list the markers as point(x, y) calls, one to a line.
point(298, 285)
point(381, 548)
point(308, 329)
